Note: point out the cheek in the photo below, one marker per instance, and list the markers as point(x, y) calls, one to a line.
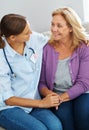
point(51, 28)
point(54, 29)
point(65, 30)
point(27, 37)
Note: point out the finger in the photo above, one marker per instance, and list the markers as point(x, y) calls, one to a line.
point(56, 107)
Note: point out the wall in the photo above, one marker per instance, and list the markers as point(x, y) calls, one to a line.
point(38, 12)
point(86, 10)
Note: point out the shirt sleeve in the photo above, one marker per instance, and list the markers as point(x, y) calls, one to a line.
point(37, 40)
point(81, 84)
point(43, 39)
point(5, 80)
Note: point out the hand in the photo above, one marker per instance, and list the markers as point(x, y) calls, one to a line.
point(64, 97)
point(51, 100)
point(60, 100)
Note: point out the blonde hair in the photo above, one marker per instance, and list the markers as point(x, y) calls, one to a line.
point(73, 21)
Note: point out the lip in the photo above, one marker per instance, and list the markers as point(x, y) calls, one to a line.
point(56, 35)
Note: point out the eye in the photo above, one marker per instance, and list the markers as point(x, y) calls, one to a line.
point(52, 24)
point(59, 25)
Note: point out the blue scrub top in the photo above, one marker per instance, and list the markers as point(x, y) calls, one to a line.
point(27, 69)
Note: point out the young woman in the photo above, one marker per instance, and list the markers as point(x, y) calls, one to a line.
point(20, 65)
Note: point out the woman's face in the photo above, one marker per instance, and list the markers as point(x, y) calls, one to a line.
point(24, 36)
point(59, 28)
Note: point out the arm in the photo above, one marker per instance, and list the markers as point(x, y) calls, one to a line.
point(17, 101)
point(47, 102)
point(45, 84)
point(79, 67)
point(80, 72)
point(62, 97)
point(9, 95)
point(44, 91)
point(81, 84)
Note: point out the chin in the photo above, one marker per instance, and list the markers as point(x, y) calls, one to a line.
point(28, 39)
point(56, 39)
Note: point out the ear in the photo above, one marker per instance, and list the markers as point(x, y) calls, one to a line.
point(12, 38)
point(71, 30)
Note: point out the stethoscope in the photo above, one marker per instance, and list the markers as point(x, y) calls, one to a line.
point(12, 73)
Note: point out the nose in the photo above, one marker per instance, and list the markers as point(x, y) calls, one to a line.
point(54, 28)
point(30, 32)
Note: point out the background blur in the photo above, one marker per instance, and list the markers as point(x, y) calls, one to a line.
point(39, 12)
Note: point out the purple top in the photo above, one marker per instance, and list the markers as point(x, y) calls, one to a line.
point(78, 67)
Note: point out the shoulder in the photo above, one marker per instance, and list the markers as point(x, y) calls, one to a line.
point(48, 51)
point(48, 47)
point(83, 46)
point(83, 49)
point(37, 40)
point(38, 36)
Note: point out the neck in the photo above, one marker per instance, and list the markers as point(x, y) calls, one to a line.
point(64, 44)
point(18, 47)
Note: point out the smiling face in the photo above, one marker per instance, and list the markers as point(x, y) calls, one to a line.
point(59, 28)
point(22, 37)
point(25, 35)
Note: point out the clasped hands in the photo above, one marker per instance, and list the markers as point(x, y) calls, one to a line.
point(52, 100)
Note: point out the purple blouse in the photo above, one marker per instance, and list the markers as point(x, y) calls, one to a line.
point(78, 67)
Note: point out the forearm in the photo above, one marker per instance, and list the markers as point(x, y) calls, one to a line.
point(64, 97)
point(44, 91)
point(24, 102)
point(47, 102)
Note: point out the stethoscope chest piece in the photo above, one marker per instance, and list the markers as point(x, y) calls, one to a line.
point(13, 75)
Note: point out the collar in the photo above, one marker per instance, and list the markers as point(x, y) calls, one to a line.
point(10, 50)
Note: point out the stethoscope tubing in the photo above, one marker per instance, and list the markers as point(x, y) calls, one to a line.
point(12, 73)
point(8, 61)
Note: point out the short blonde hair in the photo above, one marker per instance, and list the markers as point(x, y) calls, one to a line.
point(72, 20)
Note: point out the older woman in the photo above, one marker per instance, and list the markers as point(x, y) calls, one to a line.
point(65, 69)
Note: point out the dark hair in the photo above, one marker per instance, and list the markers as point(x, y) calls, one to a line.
point(11, 24)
